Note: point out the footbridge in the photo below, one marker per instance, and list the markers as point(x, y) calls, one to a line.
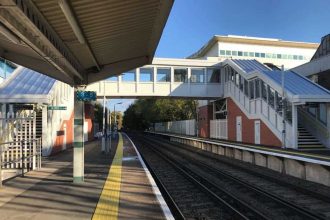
point(176, 78)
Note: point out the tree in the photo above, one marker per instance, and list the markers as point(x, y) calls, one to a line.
point(143, 112)
point(119, 119)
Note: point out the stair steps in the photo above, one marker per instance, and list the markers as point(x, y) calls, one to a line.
point(306, 141)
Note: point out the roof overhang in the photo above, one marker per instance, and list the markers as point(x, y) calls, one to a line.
point(81, 42)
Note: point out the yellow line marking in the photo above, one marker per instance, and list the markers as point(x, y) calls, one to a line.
point(107, 207)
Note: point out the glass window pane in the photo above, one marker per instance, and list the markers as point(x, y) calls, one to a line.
point(236, 79)
point(264, 90)
point(197, 75)
point(268, 55)
point(295, 57)
point(284, 56)
point(246, 87)
point(262, 54)
point(257, 54)
point(213, 75)
point(113, 78)
point(271, 96)
point(251, 54)
point(251, 88)
point(240, 53)
point(241, 83)
point(228, 52)
point(180, 75)
point(222, 52)
point(128, 76)
point(257, 88)
point(278, 103)
point(323, 113)
point(146, 74)
point(290, 57)
point(279, 56)
point(246, 54)
point(288, 111)
point(274, 56)
point(234, 53)
point(163, 74)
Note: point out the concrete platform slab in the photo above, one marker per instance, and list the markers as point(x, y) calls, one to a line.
point(50, 193)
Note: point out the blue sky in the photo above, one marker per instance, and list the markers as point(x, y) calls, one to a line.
point(193, 22)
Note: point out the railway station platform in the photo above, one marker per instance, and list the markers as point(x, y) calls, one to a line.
point(117, 186)
point(313, 166)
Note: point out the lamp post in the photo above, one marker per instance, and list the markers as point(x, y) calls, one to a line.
point(103, 122)
point(114, 111)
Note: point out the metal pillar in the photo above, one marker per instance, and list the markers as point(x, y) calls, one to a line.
point(78, 144)
point(103, 121)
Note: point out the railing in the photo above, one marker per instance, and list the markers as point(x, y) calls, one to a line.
point(19, 157)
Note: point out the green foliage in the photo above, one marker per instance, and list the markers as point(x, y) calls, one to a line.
point(143, 112)
point(119, 120)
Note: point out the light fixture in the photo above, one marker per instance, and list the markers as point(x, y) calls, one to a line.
point(72, 20)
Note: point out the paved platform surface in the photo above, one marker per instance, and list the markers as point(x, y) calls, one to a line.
point(50, 193)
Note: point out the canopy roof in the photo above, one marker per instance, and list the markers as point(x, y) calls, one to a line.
point(80, 42)
point(299, 89)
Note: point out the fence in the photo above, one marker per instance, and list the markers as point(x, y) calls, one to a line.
point(18, 157)
point(219, 129)
point(20, 151)
point(184, 127)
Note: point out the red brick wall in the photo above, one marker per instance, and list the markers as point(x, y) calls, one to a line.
point(267, 137)
point(204, 117)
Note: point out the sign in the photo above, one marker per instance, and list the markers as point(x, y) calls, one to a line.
point(56, 107)
point(86, 96)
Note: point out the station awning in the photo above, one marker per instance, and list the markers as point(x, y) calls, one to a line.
point(80, 41)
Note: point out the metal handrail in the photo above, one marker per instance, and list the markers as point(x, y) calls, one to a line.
point(23, 159)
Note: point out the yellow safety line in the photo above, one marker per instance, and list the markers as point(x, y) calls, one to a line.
point(107, 207)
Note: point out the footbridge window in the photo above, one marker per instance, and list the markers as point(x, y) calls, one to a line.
point(213, 75)
point(129, 76)
point(197, 76)
point(181, 75)
point(163, 75)
point(146, 74)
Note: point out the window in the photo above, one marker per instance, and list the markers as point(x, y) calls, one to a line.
point(232, 74)
point(290, 57)
point(268, 55)
point(274, 56)
point(240, 53)
point(288, 111)
point(262, 55)
point(279, 56)
point(197, 76)
point(228, 52)
point(300, 57)
point(129, 76)
point(251, 54)
point(264, 90)
point(251, 88)
point(234, 53)
point(246, 87)
point(180, 75)
point(213, 75)
point(236, 79)
point(146, 74)
point(113, 79)
point(246, 54)
point(163, 74)
point(284, 56)
point(222, 52)
point(257, 88)
point(241, 83)
point(257, 54)
point(295, 57)
point(271, 97)
point(323, 113)
point(278, 103)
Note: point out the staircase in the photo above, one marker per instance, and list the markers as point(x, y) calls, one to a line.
point(306, 141)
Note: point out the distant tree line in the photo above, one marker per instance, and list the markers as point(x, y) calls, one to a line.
point(143, 112)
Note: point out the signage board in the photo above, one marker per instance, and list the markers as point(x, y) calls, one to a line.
point(51, 107)
point(86, 96)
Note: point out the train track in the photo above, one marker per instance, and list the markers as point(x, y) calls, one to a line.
point(248, 199)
